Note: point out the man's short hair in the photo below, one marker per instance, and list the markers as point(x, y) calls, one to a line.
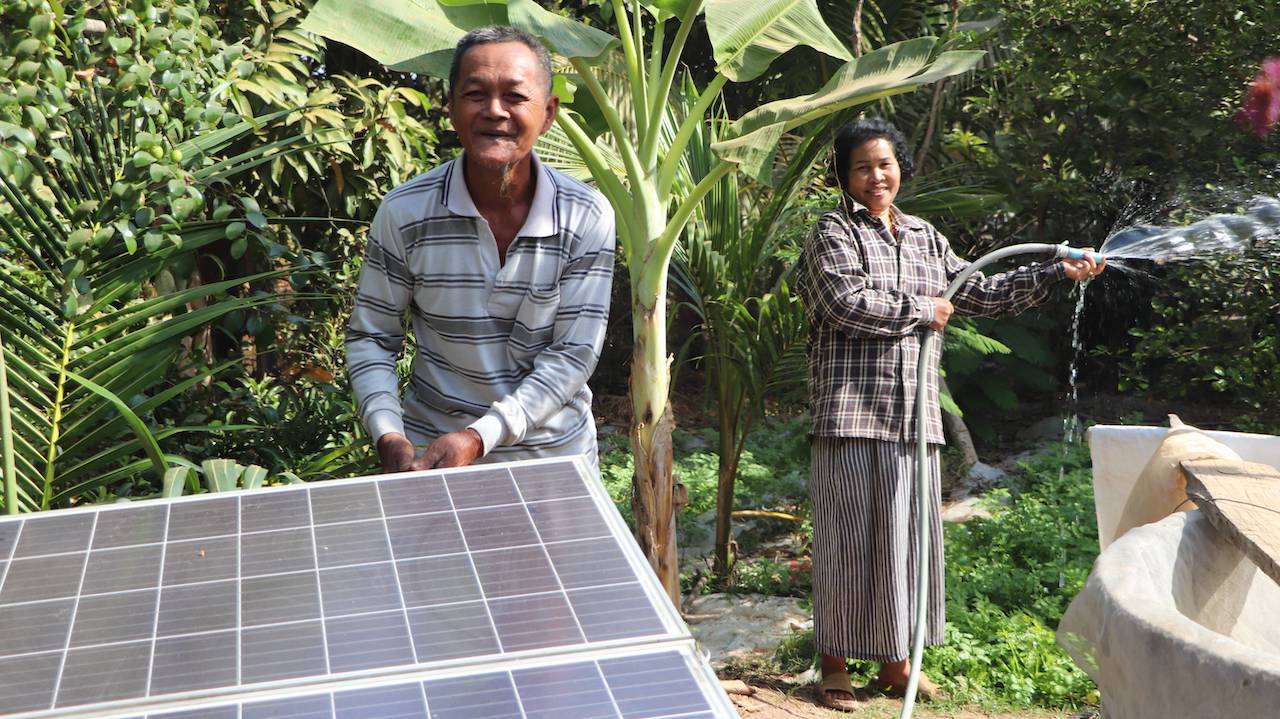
point(498, 33)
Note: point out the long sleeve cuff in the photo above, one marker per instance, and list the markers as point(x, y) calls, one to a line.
point(490, 429)
point(1055, 271)
point(383, 421)
point(926, 309)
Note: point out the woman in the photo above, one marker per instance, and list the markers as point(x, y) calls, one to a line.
point(871, 278)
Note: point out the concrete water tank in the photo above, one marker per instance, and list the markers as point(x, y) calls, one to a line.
point(1174, 621)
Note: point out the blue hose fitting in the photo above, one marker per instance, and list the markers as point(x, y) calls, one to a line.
point(1075, 253)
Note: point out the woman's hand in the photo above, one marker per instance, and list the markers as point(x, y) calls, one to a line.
point(1081, 270)
point(942, 309)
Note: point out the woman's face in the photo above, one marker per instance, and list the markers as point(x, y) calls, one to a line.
point(874, 175)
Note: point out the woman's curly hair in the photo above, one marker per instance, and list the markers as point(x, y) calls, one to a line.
point(869, 128)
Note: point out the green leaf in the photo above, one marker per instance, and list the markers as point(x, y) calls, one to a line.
point(901, 67)
point(754, 152)
point(666, 8)
point(253, 477)
point(562, 88)
point(153, 240)
point(221, 475)
point(564, 35)
point(36, 120)
point(949, 405)
point(404, 35)
point(77, 240)
point(175, 482)
point(257, 219)
point(747, 35)
point(135, 423)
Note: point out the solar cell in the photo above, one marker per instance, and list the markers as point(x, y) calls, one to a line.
point(219, 599)
point(664, 684)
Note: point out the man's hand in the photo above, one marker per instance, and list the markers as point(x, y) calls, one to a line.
point(396, 452)
point(942, 310)
point(456, 449)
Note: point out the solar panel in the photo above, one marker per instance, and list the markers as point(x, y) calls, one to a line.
point(331, 598)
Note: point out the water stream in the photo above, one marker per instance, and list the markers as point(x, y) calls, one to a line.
point(1214, 236)
point(1132, 248)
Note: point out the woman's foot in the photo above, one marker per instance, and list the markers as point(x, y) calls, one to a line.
point(892, 680)
point(835, 691)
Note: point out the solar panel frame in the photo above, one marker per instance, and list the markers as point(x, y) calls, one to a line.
point(121, 538)
point(631, 700)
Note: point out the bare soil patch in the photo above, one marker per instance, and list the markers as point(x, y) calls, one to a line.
point(780, 701)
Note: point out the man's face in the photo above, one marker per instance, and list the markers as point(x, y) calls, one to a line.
point(500, 103)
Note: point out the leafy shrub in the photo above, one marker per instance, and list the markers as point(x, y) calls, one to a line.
point(1213, 334)
point(1009, 580)
point(118, 184)
point(772, 475)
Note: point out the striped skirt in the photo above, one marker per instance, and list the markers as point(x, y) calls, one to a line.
point(863, 493)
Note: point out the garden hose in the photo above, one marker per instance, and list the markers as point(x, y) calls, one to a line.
point(922, 452)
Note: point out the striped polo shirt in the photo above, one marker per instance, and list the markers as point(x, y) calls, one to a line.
point(503, 348)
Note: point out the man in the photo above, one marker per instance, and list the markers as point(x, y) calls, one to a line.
point(505, 268)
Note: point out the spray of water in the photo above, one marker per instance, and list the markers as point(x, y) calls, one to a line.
point(1214, 236)
point(1071, 426)
point(1135, 248)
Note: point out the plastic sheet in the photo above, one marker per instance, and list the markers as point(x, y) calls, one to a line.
point(1120, 453)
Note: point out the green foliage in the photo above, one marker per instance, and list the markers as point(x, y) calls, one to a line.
point(303, 425)
point(771, 476)
point(1093, 102)
point(761, 575)
point(1034, 554)
point(1213, 334)
point(110, 200)
point(1009, 579)
point(990, 363)
point(734, 266)
point(213, 475)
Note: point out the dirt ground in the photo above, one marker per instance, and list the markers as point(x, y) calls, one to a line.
point(785, 702)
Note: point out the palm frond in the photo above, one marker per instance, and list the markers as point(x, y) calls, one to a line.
point(87, 343)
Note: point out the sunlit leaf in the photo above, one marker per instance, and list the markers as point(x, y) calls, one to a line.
point(747, 35)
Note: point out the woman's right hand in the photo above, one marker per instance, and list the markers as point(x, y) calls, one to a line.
point(942, 309)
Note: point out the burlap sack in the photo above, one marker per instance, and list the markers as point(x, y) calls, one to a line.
point(1161, 489)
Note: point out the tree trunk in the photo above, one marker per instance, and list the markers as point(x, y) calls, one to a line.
point(651, 426)
point(724, 487)
point(936, 106)
point(857, 29)
point(958, 431)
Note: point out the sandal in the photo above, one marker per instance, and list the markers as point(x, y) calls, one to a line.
point(837, 682)
point(926, 690)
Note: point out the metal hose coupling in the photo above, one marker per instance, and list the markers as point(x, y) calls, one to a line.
point(1075, 253)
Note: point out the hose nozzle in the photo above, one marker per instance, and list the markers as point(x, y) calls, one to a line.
point(1075, 253)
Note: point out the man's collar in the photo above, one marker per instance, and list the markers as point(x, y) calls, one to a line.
point(900, 218)
point(541, 221)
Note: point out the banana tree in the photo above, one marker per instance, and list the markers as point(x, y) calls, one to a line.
point(102, 214)
point(746, 36)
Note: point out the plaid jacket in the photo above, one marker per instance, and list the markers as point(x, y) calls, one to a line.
point(868, 299)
